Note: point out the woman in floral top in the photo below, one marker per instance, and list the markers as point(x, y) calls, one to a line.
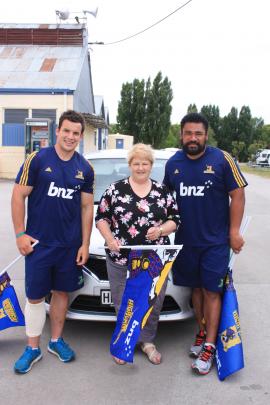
point(136, 211)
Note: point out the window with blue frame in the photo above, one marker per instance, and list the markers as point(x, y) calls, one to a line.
point(119, 143)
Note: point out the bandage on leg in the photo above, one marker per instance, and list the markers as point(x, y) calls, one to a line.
point(35, 316)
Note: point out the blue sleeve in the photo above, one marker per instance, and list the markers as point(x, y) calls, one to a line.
point(167, 176)
point(232, 174)
point(88, 186)
point(28, 172)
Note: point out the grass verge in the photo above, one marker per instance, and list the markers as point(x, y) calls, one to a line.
point(258, 171)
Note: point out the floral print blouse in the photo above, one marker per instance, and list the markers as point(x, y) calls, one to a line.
point(130, 216)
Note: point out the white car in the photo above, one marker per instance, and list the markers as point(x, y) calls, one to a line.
point(93, 301)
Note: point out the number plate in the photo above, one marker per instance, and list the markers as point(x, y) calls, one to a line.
point(106, 297)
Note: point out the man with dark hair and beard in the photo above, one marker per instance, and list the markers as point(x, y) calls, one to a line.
point(210, 196)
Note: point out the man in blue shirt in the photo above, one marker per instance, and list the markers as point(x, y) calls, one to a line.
point(210, 196)
point(58, 184)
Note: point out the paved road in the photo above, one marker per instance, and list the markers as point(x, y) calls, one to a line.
point(94, 379)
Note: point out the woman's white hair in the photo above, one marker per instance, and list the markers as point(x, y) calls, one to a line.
point(141, 151)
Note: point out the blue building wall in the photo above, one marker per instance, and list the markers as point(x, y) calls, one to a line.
point(13, 134)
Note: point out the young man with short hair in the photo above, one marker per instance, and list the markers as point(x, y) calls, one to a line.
point(210, 195)
point(58, 184)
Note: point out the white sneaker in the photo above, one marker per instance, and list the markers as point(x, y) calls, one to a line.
point(202, 365)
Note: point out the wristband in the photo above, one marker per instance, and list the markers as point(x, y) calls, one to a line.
point(18, 235)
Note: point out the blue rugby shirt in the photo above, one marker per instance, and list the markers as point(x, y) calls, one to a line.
point(202, 189)
point(54, 205)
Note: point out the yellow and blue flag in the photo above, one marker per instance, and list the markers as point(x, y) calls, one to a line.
point(229, 353)
point(10, 311)
point(147, 272)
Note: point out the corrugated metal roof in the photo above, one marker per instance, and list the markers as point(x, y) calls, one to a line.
point(48, 65)
point(43, 34)
point(41, 26)
point(21, 66)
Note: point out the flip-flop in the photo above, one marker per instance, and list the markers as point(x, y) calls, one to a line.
point(151, 352)
point(119, 361)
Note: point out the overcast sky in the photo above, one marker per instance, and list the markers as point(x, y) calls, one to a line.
point(213, 51)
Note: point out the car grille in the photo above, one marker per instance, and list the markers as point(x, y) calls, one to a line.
point(97, 266)
point(170, 305)
point(90, 303)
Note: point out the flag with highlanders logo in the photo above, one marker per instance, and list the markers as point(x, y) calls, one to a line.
point(229, 353)
point(147, 272)
point(10, 311)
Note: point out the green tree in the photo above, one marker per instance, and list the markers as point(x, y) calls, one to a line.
point(124, 109)
point(245, 131)
point(211, 113)
point(252, 150)
point(262, 141)
point(158, 112)
point(257, 124)
point(144, 110)
point(248, 128)
point(265, 136)
point(245, 127)
point(192, 108)
point(173, 138)
point(238, 149)
point(228, 130)
point(211, 137)
point(131, 109)
point(113, 129)
point(138, 109)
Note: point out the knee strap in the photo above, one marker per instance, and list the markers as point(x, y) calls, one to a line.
point(35, 316)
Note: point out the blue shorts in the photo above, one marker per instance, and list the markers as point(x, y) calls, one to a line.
point(51, 268)
point(202, 267)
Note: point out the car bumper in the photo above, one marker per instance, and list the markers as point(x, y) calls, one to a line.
point(85, 304)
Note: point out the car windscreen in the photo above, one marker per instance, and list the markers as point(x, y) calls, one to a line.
point(108, 171)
